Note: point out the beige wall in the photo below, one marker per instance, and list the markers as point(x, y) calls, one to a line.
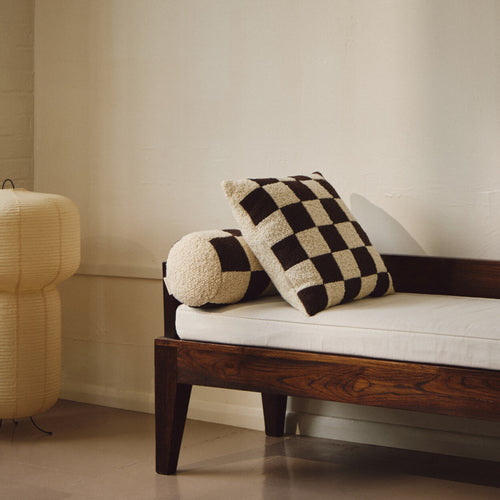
point(16, 91)
point(143, 107)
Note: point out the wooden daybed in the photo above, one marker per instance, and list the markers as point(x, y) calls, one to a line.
point(277, 373)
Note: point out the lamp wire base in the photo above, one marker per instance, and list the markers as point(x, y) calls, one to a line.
point(39, 428)
point(15, 422)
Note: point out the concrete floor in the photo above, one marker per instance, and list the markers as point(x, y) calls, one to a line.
point(104, 453)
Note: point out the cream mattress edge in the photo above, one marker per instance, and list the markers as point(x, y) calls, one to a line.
point(436, 329)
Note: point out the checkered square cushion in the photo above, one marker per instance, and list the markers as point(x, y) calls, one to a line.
point(308, 241)
point(215, 267)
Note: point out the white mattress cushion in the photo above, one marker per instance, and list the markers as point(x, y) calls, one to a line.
point(460, 331)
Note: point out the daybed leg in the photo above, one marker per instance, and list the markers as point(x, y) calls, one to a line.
point(274, 406)
point(171, 405)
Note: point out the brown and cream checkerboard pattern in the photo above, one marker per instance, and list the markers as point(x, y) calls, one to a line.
point(308, 241)
point(215, 267)
point(236, 258)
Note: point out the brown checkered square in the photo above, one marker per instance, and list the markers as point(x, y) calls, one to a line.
point(307, 240)
point(235, 256)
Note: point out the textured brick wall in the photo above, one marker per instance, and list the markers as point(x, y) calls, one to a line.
point(16, 91)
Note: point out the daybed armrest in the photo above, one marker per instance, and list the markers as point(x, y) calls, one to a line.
point(170, 305)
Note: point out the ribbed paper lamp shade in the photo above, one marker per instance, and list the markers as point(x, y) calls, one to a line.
point(39, 248)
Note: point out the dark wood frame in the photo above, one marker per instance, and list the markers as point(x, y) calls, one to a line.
point(276, 373)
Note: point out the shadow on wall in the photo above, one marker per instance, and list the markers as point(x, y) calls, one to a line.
point(384, 231)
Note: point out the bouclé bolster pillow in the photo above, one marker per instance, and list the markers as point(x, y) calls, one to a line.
point(307, 240)
point(215, 267)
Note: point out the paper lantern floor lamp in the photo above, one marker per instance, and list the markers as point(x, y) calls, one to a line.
point(39, 248)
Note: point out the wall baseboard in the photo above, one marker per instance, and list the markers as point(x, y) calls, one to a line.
point(398, 436)
point(227, 414)
point(103, 396)
point(378, 433)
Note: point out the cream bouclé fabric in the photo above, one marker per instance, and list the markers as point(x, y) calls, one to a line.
point(39, 248)
point(215, 267)
point(307, 240)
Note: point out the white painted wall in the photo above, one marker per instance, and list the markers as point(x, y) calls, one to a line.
point(143, 107)
point(16, 92)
